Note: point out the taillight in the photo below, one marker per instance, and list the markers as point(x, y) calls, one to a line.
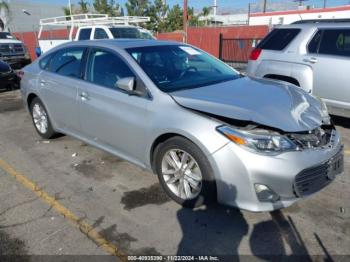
point(254, 55)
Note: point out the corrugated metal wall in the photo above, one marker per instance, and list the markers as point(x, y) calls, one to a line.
point(30, 38)
point(206, 38)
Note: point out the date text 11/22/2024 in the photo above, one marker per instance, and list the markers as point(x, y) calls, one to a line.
point(173, 258)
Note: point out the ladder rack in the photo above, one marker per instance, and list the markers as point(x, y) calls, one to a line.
point(80, 20)
point(92, 19)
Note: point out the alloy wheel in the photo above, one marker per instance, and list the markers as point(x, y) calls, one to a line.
point(40, 118)
point(182, 174)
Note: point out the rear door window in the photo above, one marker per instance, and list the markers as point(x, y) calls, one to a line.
point(278, 39)
point(68, 62)
point(335, 42)
point(125, 32)
point(100, 33)
point(84, 34)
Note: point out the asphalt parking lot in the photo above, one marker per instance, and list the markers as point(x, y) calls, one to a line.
point(124, 207)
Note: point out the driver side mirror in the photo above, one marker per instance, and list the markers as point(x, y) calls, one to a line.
point(127, 84)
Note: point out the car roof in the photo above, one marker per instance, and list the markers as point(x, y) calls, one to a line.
point(120, 43)
point(316, 25)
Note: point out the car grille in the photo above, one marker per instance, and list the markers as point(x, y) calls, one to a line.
point(315, 178)
point(3, 74)
point(8, 49)
point(311, 180)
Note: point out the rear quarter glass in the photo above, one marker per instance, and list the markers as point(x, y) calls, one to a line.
point(278, 39)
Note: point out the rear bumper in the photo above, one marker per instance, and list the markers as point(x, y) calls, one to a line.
point(238, 170)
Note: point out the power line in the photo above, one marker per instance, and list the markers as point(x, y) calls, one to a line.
point(301, 2)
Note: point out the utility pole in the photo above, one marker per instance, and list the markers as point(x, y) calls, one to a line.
point(301, 2)
point(324, 3)
point(248, 22)
point(215, 7)
point(185, 19)
point(265, 4)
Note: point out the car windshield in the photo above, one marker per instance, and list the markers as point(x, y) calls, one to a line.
point(5, 35)
point(178, 67)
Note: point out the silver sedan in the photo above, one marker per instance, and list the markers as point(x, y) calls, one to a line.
point(209, 133)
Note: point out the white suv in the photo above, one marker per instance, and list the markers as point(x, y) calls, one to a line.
point(314, 55)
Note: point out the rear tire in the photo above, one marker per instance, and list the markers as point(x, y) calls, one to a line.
point(41, 119)
point(185, 173)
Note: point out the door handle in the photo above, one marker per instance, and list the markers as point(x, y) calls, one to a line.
point(84, 96)
point(311, 60)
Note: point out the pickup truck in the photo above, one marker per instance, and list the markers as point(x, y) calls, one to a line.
point(13, 51)
point(93, 26)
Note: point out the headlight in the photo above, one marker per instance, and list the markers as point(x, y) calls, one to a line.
point(260, 140)
point(324, 112)
point(26, 52)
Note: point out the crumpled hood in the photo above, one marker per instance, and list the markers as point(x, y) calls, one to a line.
point(266, 102)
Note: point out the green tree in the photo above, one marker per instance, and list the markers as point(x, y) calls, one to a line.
point(122, 11)
point(138, 7)
point(157, 13)
point(83, 6)
point(193, 20)
point(206, 11)
point(66, 11)
point(174, 20)
point(4, 7)
point(5, 10)
point(106, 7)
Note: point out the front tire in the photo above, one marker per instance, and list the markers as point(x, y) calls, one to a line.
point(185, 173)
point(41, 119)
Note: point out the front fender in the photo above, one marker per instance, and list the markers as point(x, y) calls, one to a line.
point(199, 129)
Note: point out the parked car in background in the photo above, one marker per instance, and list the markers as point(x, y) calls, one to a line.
point(313, 55)
point(207, 132)
point(93, 27)
point(13, 51)
point(8, 78)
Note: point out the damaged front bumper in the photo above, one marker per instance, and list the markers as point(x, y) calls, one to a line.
point(257, 182)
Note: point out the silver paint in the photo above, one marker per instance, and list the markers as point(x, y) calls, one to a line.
point(128, 126)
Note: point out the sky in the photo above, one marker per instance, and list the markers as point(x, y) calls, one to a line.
point(225, 5)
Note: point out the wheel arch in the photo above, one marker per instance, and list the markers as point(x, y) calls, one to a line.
point(30, 99)
point(288, 79)
point(291, 72)
point(158, 141)
point(211, 176)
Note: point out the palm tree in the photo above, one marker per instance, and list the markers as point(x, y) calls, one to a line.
point(205, 12)
point(66, 11)
point(83, 6)
point(4, 9)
